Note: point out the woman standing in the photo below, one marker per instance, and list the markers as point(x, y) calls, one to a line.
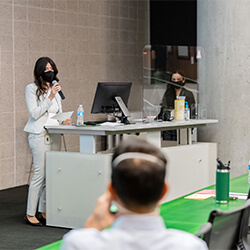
point(43, 102)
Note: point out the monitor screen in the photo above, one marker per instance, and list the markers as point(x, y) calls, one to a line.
point(104, 101)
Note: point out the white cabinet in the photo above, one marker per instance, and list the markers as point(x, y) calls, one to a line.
point(74, 181)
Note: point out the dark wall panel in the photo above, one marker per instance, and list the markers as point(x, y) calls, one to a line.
point(173, 22)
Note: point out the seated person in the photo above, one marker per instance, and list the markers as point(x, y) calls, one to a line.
point(174, 89)
point(137, 186)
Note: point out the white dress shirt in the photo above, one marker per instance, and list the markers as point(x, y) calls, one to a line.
point(133, 232)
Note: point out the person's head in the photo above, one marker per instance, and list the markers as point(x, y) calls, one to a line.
point(45, 71)
point(178, 79)
point(138, 174)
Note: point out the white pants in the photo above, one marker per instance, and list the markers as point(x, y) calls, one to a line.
point(37, 186)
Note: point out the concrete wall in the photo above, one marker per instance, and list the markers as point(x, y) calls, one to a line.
point(223, 32)
point(90, 41)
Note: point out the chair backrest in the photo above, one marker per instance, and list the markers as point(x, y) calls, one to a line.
point(229, 228)
point(248, 195)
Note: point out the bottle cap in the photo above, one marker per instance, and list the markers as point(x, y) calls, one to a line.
point(181, 98)
point(222, 166)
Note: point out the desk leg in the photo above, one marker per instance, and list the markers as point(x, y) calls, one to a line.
point(110, 142)
point(114, 141)
point(178, 136)
point(154, 138)
point(118, 139)
point(185, 136)
point(87, 144)
point(189, 136)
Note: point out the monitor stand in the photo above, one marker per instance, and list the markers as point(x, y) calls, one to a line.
point(125, 112)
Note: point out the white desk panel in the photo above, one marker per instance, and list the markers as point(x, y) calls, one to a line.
point(74, 181)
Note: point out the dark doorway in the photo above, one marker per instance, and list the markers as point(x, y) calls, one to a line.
point(173, 22)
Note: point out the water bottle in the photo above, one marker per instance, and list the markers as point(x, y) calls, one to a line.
point(80, 114)
point(249, 172)
point(187, 112)
point(222, 182)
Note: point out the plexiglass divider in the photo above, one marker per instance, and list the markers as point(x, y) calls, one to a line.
point(159, 63)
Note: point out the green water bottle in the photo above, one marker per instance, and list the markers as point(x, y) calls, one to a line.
point(222, 182)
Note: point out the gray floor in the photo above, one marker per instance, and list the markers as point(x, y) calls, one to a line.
point(14, 232)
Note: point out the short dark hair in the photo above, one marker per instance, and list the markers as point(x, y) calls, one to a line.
point(138, 182)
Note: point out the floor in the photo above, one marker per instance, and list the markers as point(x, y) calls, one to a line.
point(14, 232)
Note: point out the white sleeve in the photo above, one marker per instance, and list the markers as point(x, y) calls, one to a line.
point(35, 110)
point(58, 99)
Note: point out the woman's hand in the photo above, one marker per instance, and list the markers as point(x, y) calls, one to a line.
point(67, 122)
point(54, 89)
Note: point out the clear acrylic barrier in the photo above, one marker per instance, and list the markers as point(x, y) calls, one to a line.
point(151, 112)
point(159, 62)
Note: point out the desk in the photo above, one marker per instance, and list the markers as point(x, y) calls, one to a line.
point(87, 134)
point(189, 215)
point(75, 180)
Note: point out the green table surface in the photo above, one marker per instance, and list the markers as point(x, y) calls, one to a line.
point(189, 215)
point(54, 246)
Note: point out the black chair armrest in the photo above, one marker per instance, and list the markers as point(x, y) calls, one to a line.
point(205, 228)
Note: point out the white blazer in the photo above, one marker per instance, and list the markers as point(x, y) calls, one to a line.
point(38, 109)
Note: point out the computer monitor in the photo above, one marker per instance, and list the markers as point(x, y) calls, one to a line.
point(112, 97)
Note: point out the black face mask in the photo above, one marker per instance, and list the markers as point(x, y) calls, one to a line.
point(178, 85)
point(48, 76)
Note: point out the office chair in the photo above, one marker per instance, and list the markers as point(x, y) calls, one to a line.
point(248, 197)
point(226, 229)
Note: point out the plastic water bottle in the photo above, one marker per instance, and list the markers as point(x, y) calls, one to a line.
point(249, 172)
point(187, 112)
point(80, 114)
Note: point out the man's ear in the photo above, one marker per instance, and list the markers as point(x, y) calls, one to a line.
point(112, 191)
point(164, 190)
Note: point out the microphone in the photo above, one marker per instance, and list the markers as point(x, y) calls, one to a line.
point(60, 92)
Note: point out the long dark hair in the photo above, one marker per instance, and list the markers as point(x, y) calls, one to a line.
point(170, 93)
point(39, 69)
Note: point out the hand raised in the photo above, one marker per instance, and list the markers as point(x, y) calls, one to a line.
point(54, 89)
point(101, 217)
